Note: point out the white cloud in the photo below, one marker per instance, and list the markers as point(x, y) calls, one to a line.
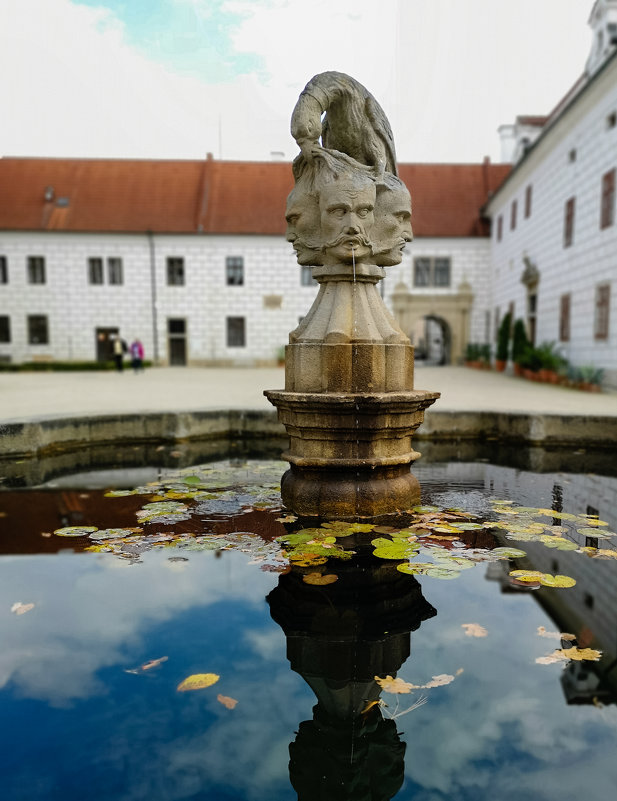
point(447, 74)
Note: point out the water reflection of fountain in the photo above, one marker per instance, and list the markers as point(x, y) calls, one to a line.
point(339, 637)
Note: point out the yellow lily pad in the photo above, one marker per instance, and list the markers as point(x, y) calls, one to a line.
point(198, 681)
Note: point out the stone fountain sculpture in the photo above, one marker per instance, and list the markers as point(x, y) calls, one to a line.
point(349, 405)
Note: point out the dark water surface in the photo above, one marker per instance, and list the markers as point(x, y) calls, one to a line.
point(85, 717)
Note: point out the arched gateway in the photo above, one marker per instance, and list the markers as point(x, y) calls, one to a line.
point(452, 311)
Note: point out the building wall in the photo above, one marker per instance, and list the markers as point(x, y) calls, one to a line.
point(592, 258)
point(470, 262)
point(75, 308)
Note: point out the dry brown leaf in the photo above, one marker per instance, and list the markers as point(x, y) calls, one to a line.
point(152, 663)
point(474, 630)
point(21, 609)
point(397, 686)
point(437, 681)
point(371, 704)
point(228, 703)
point(563, 654)
point(555, 635)
point(198, 681)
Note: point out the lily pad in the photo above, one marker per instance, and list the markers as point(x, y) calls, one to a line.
point(75, 531)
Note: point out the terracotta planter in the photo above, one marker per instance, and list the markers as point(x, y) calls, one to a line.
point(500, 365)
point(518, 370)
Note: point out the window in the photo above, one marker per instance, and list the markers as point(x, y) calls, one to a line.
point(95, 270)
point(38, 333)
point(36, 270)
point(611, 120)
point(442, 272)
point(4, 270)
point(572, 155)
point(431, 272)
point(499, 227)
point(528, 192)
point(5, 328)
point(306, 275)
point(513, 215)
point(236, 335)
point(603, 297)
point(114, 270)
point(564, 318)
point(234, 272)
point(175, 271)
point(607, 215)
point(568, 223)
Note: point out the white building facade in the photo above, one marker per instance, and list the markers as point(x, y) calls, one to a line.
point(554, 219)
point(222, 288)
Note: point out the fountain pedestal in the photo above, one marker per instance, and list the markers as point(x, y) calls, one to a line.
point(349, 405)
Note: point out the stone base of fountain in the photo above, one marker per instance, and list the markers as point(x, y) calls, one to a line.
point(350, 454)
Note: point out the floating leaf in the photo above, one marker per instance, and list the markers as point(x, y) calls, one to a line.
point(113, 533)
point(152, 663)
point(559, 515)
point(192, 480)
point(557, 581)
point(286, 519)
point(198, 681)
point(561, 543)
point(314, 562)
point(508, 553)
point(423, 510)
point(576, 654)
point(75, 531)
point(437, 681)
point(593, 521)
point(228, 703)
point(599, 535)
point(474, 630)
point(21, 609)
point(554, 635)
point(442, 572)
point(399, 549)
point(469, 526)
point(319, 579)
point(119, 493)
point(414, 568)
point(526, 575)
point(397, 686)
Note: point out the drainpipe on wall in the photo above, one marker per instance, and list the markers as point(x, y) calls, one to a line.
point(155, 338)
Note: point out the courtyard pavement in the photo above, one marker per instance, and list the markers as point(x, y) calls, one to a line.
point(24, 396)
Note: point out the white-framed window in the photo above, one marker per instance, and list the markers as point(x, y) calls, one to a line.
point(114, 270)
point(236, 332)
point(432, 271)
point(234, 270)
point(36, 269)
point(95, 270)
point(175, 271)
point(5, 328)
point(4, 270)
point(38, 329)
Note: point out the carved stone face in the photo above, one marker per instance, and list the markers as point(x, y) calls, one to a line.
point(392, 228)
point(303, 227)
point(346, 220)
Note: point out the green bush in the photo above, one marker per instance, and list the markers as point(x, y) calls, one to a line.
point(519, 341)
point(503, 338)
point(41, 367)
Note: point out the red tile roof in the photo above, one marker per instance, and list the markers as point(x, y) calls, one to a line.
point(215, 197)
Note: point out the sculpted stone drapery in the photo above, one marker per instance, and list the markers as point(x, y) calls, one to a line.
point(333, 178)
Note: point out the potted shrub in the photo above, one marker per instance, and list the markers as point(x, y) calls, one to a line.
point(549, 362)
point(519, 344)
point(503, 343)
point(590, 378)
point(484, 352)
point(530, 363)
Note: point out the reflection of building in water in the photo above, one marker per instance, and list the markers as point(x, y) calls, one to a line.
point(339, 637)
point(589, 609)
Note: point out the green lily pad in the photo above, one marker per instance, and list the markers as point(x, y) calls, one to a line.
point(75, 531)
point(508, 553)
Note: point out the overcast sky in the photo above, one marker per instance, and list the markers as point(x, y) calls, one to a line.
point(179, 78)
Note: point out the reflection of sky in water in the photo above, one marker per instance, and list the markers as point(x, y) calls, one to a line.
point(76, 726)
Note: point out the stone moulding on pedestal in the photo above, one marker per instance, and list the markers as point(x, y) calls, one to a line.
point(349, 405)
